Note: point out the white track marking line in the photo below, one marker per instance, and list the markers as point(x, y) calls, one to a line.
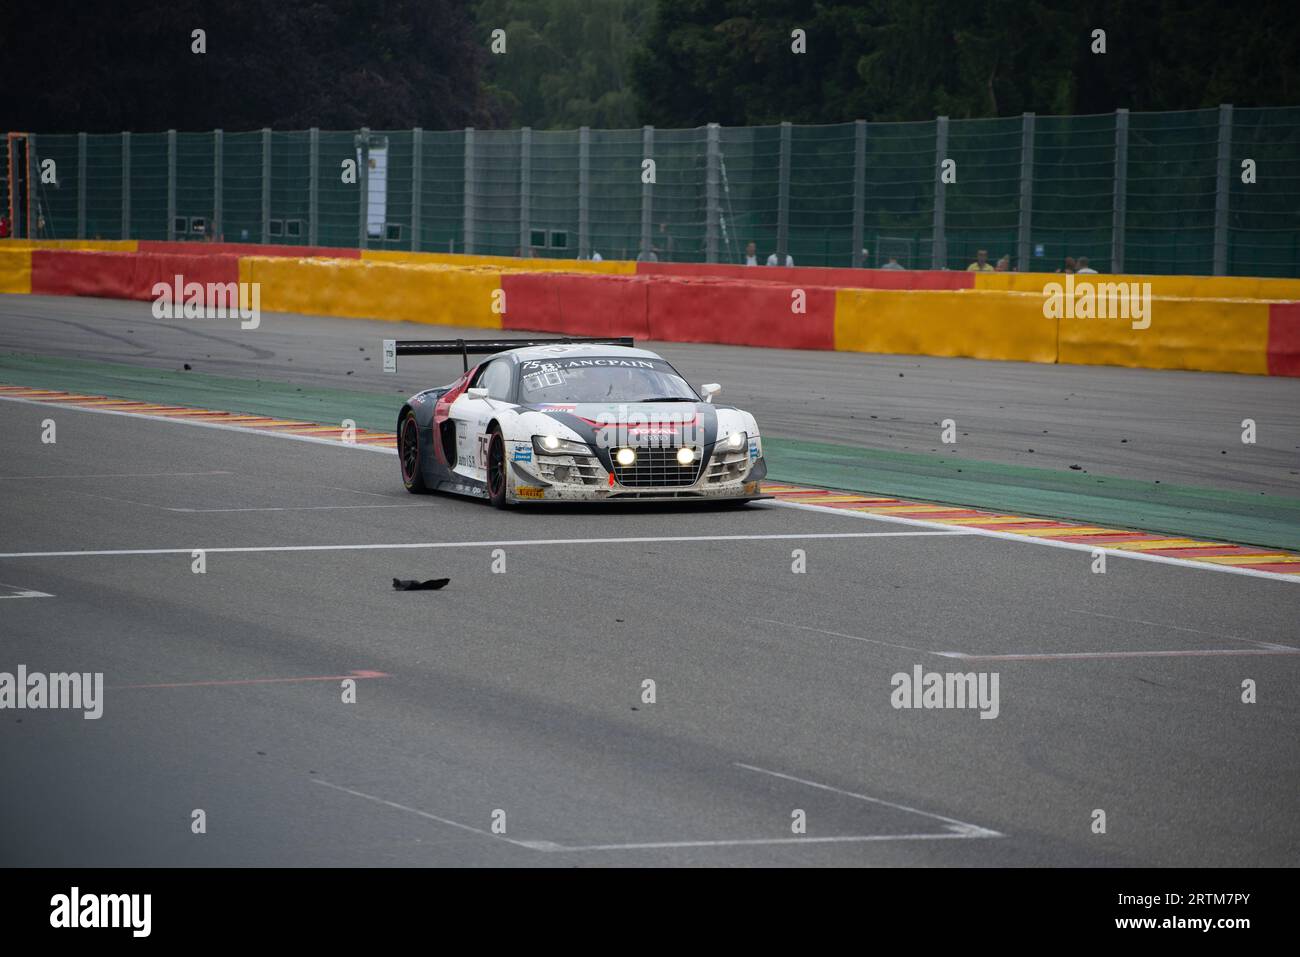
point(425, 814)
point(298, 508)
point(958, 830)
point(1195, 631)
point(986, 533)
point(839, 634)
point(645, 539)
point(1072, 546)
point(750, 842)
point(210, 425)
point(21, 592)
point(10, 478)
point(1094, 655)
point(962, 828)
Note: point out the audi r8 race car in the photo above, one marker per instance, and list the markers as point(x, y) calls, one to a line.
point(572, 420)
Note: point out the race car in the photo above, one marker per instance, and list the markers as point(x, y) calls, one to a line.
point(572, 420)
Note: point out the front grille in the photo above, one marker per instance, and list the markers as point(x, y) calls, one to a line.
point(657, 468)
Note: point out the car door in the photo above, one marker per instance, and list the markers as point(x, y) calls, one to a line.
point(472, 415)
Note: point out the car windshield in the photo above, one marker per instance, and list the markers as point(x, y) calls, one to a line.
point(601, 379)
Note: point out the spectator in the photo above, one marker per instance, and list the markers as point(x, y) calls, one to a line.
point(595, 256)
point(866, 258)
point(772, 260)
point(4, 226)
point(1069, 265)
point(892, 264)
point(1084, 267)
point(751, 254)
point(665, 247)
point(981, 263)
point(1004, 264)
point(648, 256)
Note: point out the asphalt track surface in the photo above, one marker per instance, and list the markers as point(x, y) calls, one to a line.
point(522, 691)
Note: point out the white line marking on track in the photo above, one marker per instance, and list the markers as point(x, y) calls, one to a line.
point(840, 634)
point(425, 814)
point(209, 425)
point(28, 594)
point(1194, 631)
point(986, 533)
point(646, 539)
point(1072, 546)
point(1084, 655)
point(957, 830)
point(117, 475)
point(961, 828)
point(300, 508)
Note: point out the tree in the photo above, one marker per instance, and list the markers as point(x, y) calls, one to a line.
point(340, 64)
point(566, 62)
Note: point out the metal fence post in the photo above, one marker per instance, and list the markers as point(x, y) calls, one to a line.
point(218, 175)
point(417, 185)
point(266, 185)
point(1119, 209)
point(525, 190)
point(1024, 246)
point(126, 185)
point(859, 189)
point(81, 185)
point(939, 241)
point(362, 142)
point(712, 191)
point(171, 185)
point(313, 187)
point(468, 239)
point(783, 196)
point(1222, 190)
point(34, 222)
point(584, 188)
point(647, 189)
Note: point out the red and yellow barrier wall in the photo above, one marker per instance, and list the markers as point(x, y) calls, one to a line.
point(1220, 324)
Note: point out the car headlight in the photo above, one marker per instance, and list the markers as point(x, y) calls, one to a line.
point(625, 457)
point(554, 445)
point(731, 443)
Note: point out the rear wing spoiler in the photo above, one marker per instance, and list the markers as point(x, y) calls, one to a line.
point(478, 347)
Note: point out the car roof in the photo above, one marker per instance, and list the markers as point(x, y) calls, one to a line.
point(563, 349)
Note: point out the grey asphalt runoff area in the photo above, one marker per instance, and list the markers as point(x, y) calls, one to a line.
point(505, 720)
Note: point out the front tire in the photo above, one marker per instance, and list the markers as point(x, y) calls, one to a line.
point(408, 454)
point(496, 469)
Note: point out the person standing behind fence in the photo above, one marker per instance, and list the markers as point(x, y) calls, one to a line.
point(981, 263)
point(773, 261)
point(751, 254)
point(1083, 266)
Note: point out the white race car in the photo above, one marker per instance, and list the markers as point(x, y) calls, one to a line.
point(572, 420)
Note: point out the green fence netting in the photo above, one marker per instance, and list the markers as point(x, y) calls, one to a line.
point(1213, 191)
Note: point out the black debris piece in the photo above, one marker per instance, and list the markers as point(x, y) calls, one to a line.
point(409, 584)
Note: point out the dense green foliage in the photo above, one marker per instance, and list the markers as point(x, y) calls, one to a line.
point(342, 64)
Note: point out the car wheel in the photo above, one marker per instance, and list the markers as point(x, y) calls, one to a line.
point(496, 469)
point(408, 454)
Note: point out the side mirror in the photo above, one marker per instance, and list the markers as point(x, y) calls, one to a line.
point(477, 392)
point(710, 389)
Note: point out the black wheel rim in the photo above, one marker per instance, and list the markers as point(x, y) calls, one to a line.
point(496, 466)
point(410, 450)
